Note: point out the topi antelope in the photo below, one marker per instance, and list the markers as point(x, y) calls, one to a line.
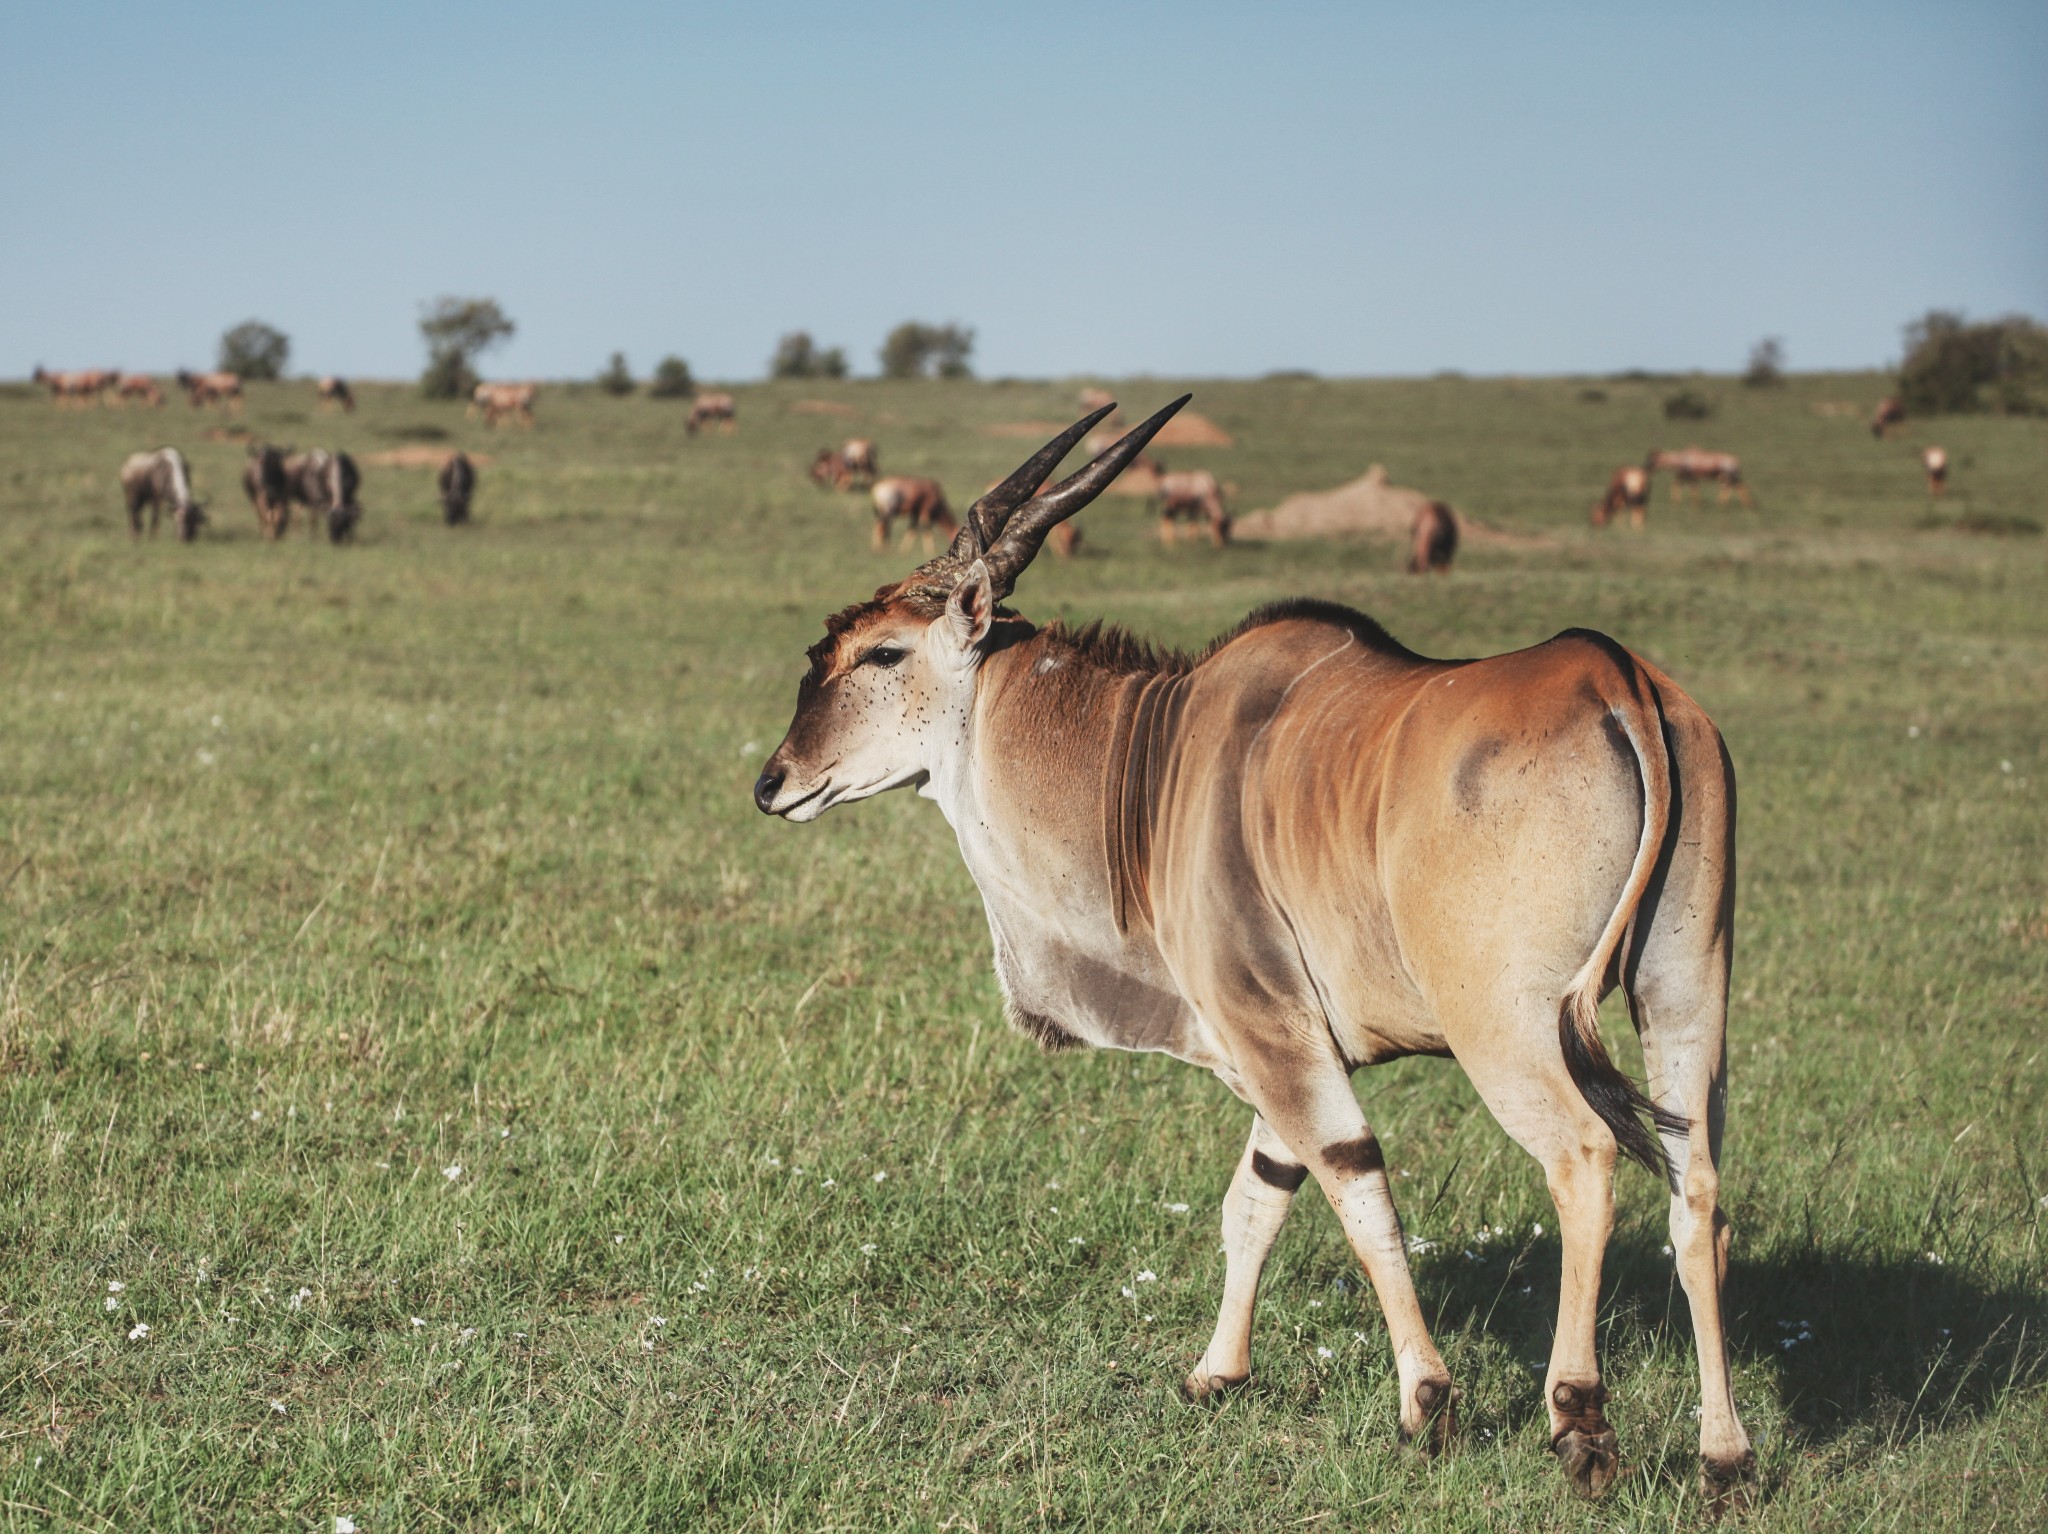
point(1309, 849)
point(921, 503)
point(1688, 466)
point(1935, 461)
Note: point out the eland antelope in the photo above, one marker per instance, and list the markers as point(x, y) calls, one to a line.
point(1309, 849)
point(162, 481)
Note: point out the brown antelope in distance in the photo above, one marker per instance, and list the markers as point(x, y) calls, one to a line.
point(921, 503)
point(84, 386)
point(854, 466)
point(1688, 466)
point(501, 401)
point(457, 483)
point(223, 389)
point(335, 391)
point(268, 489)
point(1193, 495)
point(1891, 411)
point(140, 387)
point(1308, 849)
point(161, 480)
point(712, 407)
point(1628, 489)
point(1433, 540)
point(1935, 461)
point(1094, 399)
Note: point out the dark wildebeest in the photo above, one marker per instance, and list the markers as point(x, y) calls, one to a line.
point(83, 386)
point(325, 484)
point(335, 391)
point(1689, 466)
point(1432, 539)
point(457, 480)
point(269, 490)
point(162, 481)
point(138, 386)
point(223, 389)
point(1935, 461)
point(499, 401)
point(921, 503)
point(1194, 495)
point(1628, 489)
point(712, 407)
point(1309, 849)
point(1891, 411)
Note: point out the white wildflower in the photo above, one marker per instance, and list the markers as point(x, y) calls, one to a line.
point(1934, 1258)
point(774, 1160)
point(255, 1114)
point(881, 1177)
point(830, 1182)
point(1324, 1353)
point(1130, 1293)
point(115, 1286)
point(1176, 1208)
point(617, 1239)
point(298, 1300)
point(1315, 1304)
point(140, 1331)
point(1073, 1241)
point(1912, 732)
point(278, 1407)
point(343, 1524)
point(417, 1323)
point(452, 1172)
point(1148, 1277)
point(1054, 1184)
point(112, 1303)
point(1536, 1229)
point(867, 1249)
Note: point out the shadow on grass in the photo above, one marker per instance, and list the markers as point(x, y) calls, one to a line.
point(1864, 1345)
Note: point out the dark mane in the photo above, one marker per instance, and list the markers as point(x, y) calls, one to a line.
point(1116, 649)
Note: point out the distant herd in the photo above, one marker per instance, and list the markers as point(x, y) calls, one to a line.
point(325, 483)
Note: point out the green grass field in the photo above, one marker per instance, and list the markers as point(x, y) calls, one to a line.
point(496, 1123)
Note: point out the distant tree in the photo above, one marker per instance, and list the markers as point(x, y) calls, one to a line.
point(456, 330)
point(916, 350)
point(617, 378)
point(1952, 365)
point(672, 379)
point(797, 356)
point(1766, 364)
point(254, 350)
point(1688, 405)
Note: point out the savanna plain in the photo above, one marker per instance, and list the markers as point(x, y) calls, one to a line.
point(432, 1096)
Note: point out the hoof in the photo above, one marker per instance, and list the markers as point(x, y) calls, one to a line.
point(1728, 1486)
point(1437, 1400)
point(1589, 1460)
point(1201, 1386)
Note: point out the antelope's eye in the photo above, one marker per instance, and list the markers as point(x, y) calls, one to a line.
point(884, 655)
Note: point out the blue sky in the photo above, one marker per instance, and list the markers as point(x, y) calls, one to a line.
point(1115, 188)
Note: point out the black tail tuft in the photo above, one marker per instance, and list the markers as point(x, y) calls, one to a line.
point(1619, 1102)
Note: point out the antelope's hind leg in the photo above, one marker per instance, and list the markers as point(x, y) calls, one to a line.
point(1254, 1209)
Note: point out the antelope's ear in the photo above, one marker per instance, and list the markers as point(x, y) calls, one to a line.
point(971, 607)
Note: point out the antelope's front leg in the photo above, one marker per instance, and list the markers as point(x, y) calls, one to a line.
point(1253, 1210)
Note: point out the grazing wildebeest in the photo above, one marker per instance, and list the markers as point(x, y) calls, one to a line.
point(162, 481)
point(325, 484)
point(82, 386)
point(1432, 539)
point(1628, 488)
point(1310, 849)
point(1688, 466)
point(499, 401)
point(712, 407)
point(921, 503)
point(1195, 495)
point(138, 386)
point(335, 391)
point(1891, 411)
point(457, 480)
point(1935, 461)
point(223, 389)
point(269, 489)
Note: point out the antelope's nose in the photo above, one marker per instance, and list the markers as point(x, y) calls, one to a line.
point(766, 787)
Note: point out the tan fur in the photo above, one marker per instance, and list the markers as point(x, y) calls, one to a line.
point(1310, 850)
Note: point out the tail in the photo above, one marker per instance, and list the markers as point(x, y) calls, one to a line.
point(1620, 1103)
